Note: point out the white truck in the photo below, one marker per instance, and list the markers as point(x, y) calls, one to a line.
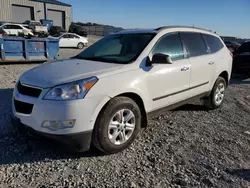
point(36, 27)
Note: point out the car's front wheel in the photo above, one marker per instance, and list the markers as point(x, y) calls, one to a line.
point(80, 45)
point(117, 125)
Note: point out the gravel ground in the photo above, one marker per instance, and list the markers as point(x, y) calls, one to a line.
point(186, 147)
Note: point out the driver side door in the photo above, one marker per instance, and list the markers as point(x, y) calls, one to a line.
point(169, 83)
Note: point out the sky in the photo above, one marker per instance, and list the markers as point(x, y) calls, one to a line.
point(226, 17)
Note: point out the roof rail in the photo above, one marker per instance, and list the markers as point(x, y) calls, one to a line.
point(181, 26)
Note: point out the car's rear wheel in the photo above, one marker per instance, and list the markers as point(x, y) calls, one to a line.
point(117, 125)
point(217, 95)
point(80, 45)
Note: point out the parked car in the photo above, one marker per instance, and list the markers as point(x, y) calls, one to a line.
point(78, 29)
point(16, 29)
point(232, 46)
point(241, 61)
point(104, 95)
point(36, 27)
point(71, 40)
point(56, 31)
point(2, 32)
point(1, 23)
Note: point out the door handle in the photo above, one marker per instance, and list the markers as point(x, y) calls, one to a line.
point(185, 69)
point(211, 63)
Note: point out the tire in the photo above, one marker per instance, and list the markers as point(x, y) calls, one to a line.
point(80, 45)
point(215, 99)
point(108, 139)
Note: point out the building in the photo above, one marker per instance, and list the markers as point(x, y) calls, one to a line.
point(21, 10)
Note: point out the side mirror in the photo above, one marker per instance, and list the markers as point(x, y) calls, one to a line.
point(159, 58)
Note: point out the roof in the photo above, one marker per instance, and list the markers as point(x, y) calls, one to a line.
point(134, 31)
point(181, 26)
point(158, 29)
point(55, 2)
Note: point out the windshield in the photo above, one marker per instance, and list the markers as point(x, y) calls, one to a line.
point(120, 48)
point(36, 23)
point(245, 47)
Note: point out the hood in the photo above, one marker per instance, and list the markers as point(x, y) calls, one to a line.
point(64, 71)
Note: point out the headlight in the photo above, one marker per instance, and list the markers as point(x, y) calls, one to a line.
point(71, 91)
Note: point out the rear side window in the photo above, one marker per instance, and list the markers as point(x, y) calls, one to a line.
point(7, 27)
point(74, 36)
point(214, 43)
point(194, 44)
point(170, 45)
point(71, 36)
point(16, 27)
point(66, 36)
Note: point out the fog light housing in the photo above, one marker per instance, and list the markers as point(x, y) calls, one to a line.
point(54, 125)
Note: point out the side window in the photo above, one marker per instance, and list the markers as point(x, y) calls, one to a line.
point(16, 27)
point(170, 45)
point(7, 27)
point(71, 36)
point(194, 44)
point(65, 36)
point(213, 43)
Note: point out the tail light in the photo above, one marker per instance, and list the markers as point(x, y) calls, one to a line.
point(231, 54)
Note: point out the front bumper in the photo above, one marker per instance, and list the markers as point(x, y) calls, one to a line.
point(77, 142)
point(83, 111)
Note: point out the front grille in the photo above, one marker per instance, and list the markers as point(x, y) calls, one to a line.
point(23, 107)
point(29, 91)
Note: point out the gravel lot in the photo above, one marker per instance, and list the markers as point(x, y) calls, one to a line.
point(186, 147)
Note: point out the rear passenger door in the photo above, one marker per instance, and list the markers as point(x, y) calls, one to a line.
point(217, 58)
point(64, 41)
point(74, 40)
point(201, 62)
point(17, 29)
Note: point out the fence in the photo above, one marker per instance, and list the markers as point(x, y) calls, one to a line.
point(101, 30)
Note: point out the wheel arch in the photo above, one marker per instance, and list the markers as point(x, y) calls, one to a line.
point(225, 75)
point(135, 97)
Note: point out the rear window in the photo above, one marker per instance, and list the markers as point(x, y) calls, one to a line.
point(194, 44)
point(214, 43)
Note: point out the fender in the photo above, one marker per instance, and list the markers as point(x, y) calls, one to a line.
point(144, 95)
